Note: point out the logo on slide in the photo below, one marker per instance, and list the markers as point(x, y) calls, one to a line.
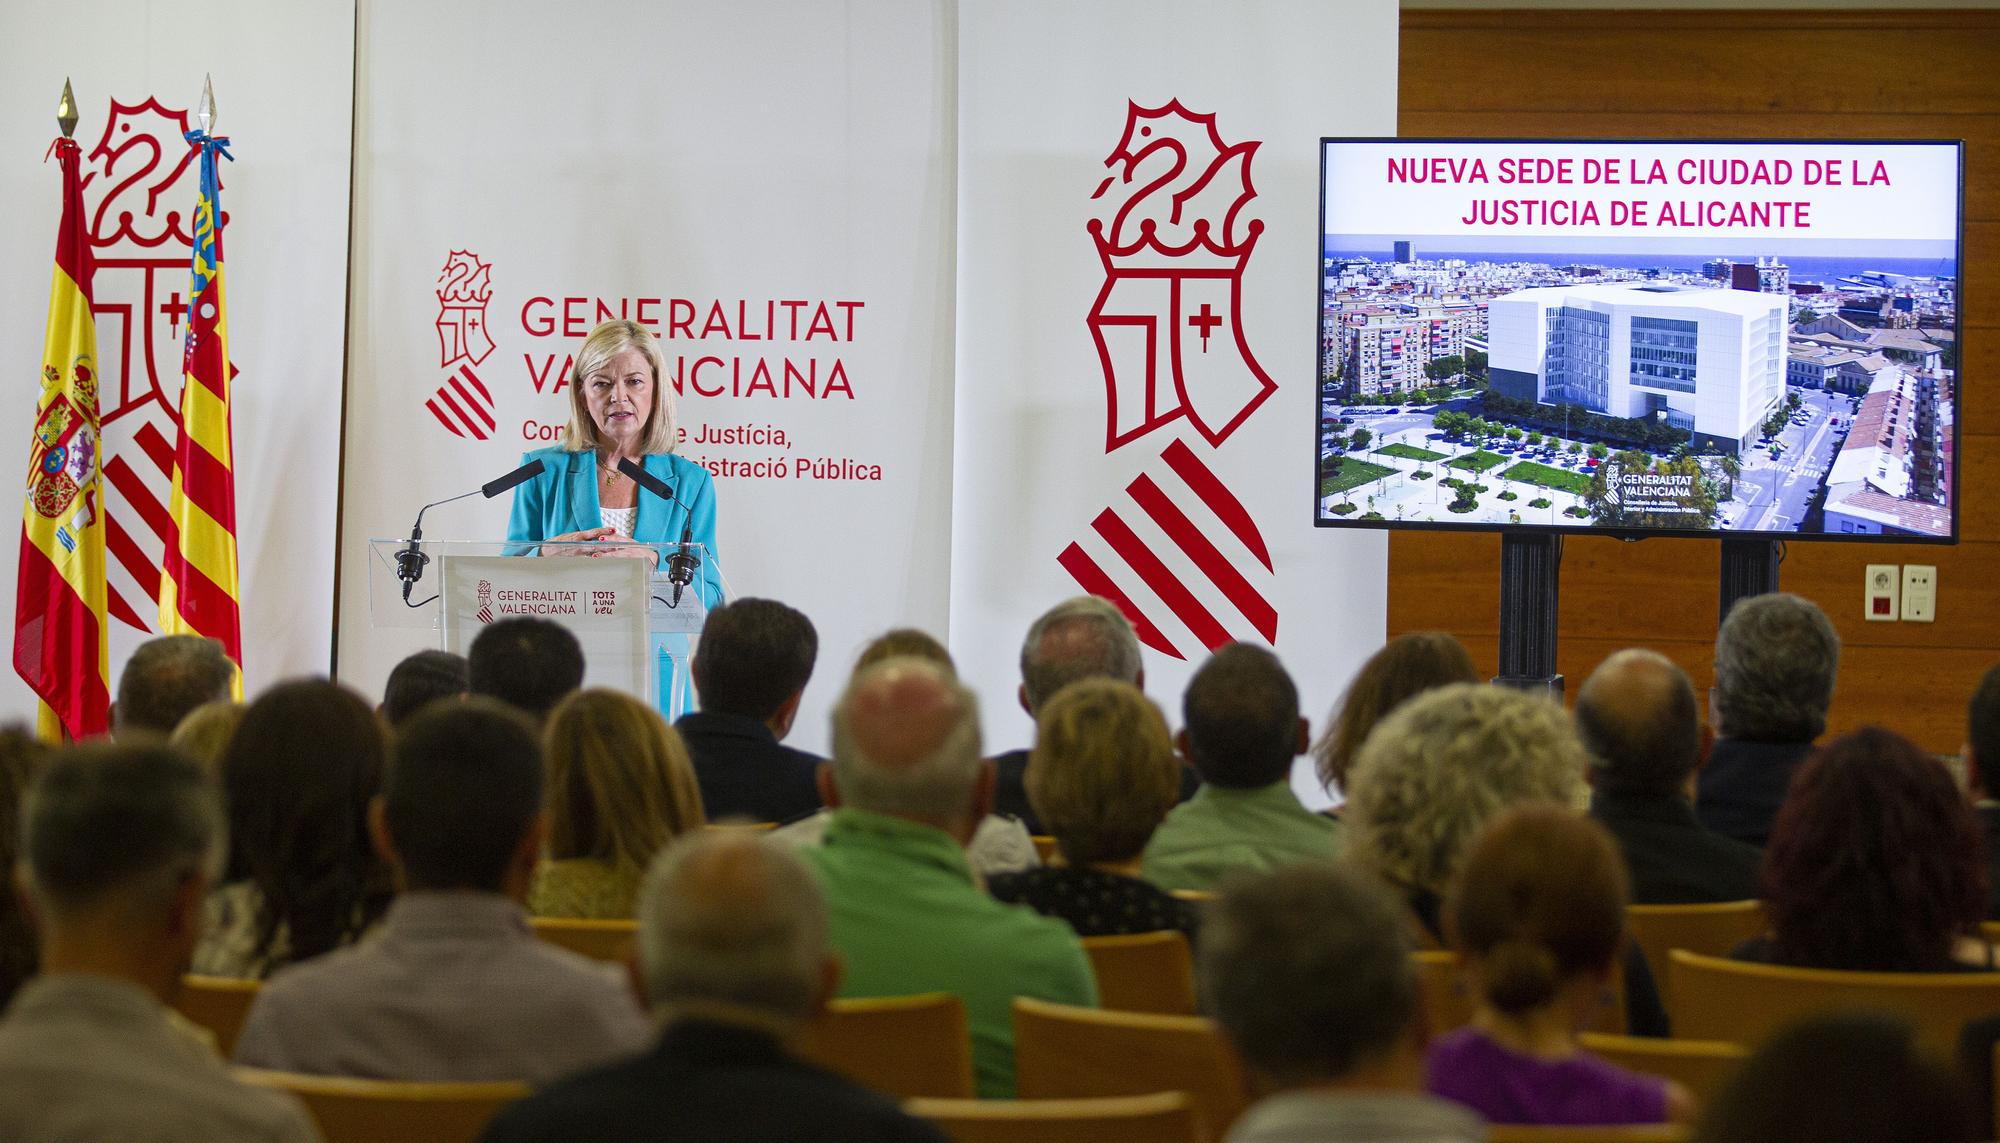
point(462, 404)
point(1174, 242)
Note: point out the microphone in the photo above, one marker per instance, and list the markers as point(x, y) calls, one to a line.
point(411, 561)
point(681, 565)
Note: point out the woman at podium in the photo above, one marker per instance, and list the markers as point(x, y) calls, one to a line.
point(620, 408)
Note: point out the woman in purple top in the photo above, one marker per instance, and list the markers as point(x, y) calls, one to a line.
point(1538, 918)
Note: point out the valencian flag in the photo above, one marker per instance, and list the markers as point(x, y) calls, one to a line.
point(198, 585)
point(59, 631)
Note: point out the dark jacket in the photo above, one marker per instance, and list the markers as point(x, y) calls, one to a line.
point(1989, 825)
point(1743, 785)
point(1673, 860)
point(744, 771)
point(707, 1081)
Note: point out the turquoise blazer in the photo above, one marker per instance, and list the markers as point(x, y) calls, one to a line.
point(564, 499)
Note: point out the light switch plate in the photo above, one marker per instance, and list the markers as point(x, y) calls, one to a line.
point(1881, 586)
point(1919, 593)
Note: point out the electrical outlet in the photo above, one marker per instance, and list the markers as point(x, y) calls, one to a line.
point(1919, 593)
point(1880, 587)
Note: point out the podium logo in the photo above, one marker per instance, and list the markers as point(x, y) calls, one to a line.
point(462, 404)
point(484, 592)
point(1178, 553)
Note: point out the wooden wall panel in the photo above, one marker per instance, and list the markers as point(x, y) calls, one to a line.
point(1777, 74)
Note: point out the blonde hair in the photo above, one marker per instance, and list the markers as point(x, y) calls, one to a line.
point(1443, 764)
point(204, 734)
point(607, 341)
point(1103, 773)
point(905, 642)
point(620, 782)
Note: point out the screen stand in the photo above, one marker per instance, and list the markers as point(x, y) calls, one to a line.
point(1749, 567)
point(1529, 566)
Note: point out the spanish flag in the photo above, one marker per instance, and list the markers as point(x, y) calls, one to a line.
point(59, 632)
point(198, 594)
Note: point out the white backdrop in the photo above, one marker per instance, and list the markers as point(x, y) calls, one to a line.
point(287, 111)
point(665, 160)
point(1033, 470)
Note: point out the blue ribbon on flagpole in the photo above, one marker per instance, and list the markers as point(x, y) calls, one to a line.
point(209, 146)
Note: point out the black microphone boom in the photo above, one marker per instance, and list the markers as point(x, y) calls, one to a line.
point(411, 561)
point(681, 565)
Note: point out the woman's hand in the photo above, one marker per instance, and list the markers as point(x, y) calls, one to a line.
point(550, 546)
point(630, 551)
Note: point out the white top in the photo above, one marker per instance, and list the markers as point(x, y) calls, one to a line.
point(619, 520)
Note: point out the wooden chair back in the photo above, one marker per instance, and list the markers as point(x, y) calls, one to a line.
point(1192, 896)
point(1448, 1005)
point(1046, 848)
point(1144, 972)
point(599, 940)
point(1701, 1066)
point(1063, 1052)
point(1711, 930)
point(219, 1004)
point(902, 1046)
point(1163, 1117)
point(383, 1111)
point(1649, 1133)
point(1716, 999)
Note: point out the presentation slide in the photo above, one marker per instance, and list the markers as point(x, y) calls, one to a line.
point(1640, 337)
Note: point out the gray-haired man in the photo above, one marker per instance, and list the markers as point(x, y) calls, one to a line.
point(1775, 660)
point(1308, 970)
point(734, 959)
point(120, 848)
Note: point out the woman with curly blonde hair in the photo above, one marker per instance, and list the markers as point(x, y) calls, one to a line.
point(620, 787)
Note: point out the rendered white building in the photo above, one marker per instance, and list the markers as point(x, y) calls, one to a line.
point(1708, 360)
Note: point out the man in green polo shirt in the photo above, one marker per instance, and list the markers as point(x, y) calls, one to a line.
point(909, 787)
point(1241, 729)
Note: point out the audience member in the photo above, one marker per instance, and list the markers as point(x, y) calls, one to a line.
point(750, 671)
point(301, 876)
point(620, 788)
point(120, 843)
point(204, 734)
point(1102, 776)
point(1082, 638)
point(165, 679)
point(1638, 717)
point(1982, 767)
point(1842, 1078)
point(901, 641)
point(1241, 730)
point(1775, 659)
point(908, 787)
point(734, 959)
point(454, 986)
point(529, 663)
point(424, 678)
point(1537, 917)
point(1308, 971)
point(1875, 864)
point(22, 757)
point(1431, 775)
point(1406, 666)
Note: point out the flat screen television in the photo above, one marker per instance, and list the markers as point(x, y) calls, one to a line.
point(1645, 337)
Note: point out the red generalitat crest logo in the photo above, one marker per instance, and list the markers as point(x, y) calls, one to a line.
point(485, 594)
point(1167, 325)
point(462, 403)
point(139, 182)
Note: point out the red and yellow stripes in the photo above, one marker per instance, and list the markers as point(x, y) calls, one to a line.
point(59, 629)
point(198, 587)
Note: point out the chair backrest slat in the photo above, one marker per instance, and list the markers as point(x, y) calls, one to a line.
point(902, 1046)
point(1145, 972)
point(219, 1004)
point(382, 1111)
point(1064, 1052)
point(1716, 999)
point(1164, 1117)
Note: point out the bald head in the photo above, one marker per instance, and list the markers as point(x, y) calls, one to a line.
point(1637, 716)
point(733, 926)
point(906, 742)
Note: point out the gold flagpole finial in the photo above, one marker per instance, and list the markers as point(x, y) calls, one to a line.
point(204, 115)
point(66, 111)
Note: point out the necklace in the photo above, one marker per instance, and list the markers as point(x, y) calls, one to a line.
point(611, 474)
